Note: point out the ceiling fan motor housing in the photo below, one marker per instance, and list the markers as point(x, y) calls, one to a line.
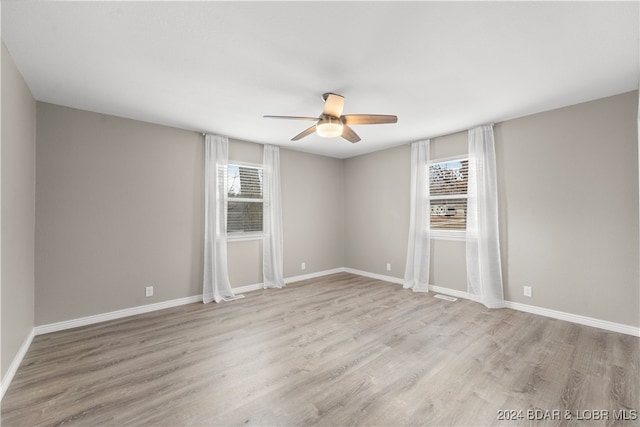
point(332, 123)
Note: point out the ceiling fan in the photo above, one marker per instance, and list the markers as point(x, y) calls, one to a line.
point(332, 123)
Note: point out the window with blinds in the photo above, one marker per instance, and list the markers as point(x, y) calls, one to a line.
point(244, 199)
point(448, 194)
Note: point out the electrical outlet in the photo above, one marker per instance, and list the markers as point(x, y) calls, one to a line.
point(527, 291)
point(148, 291)
point(388, 266)
point(303, 266)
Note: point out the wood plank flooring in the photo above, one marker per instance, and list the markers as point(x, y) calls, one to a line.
point(339, 350)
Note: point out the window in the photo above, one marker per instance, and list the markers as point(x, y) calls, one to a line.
point(448, 196)
point(244, 199)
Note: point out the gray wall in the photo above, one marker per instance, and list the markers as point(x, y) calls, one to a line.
point(377, 214)
point(569, 208)
point(18, 210)
point(121, 206)
point(312, 212)
point(244, 257)
point(568, 183)
point(377, 211)
point(313, 221)
point(448, 258)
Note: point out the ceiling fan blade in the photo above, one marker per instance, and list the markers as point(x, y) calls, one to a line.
point(349, 134)
point(304, 133)
point(368, 119)
point(291, 117)
point(333, 105)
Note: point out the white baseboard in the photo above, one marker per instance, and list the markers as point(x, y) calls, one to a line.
point(15, 363)
point(89, 320)
point(575, 318)
point(287, 280)
point(454, 293)
point(399, 281)
point(546, 312)
point(247, 288)
point(382, 277)
point(74, 323)
point(313, 275)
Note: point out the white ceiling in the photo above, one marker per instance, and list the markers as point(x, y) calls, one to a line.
point(441, 67)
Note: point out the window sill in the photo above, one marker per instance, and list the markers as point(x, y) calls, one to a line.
point(238, 237)
point(454, 235)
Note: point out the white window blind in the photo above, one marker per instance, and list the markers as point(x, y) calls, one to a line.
point(448, 194)
point(244, 199)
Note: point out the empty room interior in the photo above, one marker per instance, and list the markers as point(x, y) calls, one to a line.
point(320, 213)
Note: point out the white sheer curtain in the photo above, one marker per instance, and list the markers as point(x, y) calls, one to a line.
point(484, 272)
point(216, 286)
point(416, 273)
point(272, 248)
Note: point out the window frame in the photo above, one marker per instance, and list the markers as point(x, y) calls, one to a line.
point(439, 234)
point(243, 235)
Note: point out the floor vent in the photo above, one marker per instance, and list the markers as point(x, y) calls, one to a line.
point(448, 298)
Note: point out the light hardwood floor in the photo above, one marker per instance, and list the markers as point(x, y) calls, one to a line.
point(339, 350)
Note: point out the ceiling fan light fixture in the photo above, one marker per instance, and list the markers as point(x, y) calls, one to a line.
point(329, 127)
point(332, 123)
